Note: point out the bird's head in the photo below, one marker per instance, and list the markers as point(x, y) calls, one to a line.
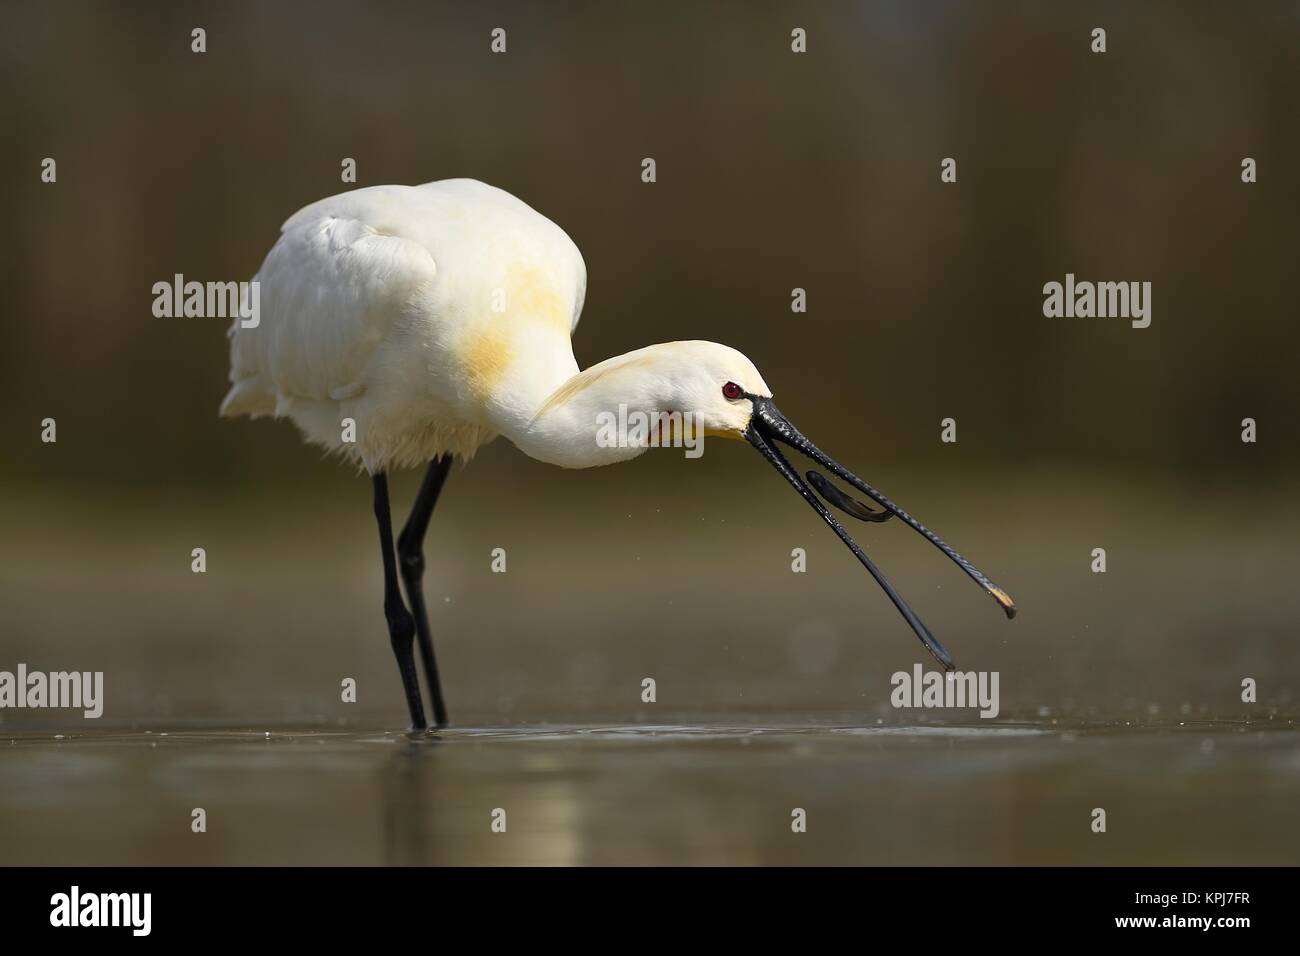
point(714, 384)
point(709, 387)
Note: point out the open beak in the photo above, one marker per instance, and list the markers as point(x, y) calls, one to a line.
point(768, 426)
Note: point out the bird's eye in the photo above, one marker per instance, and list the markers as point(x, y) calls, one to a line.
point(732, 391)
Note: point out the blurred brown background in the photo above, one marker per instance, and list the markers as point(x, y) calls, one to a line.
point(775, 171)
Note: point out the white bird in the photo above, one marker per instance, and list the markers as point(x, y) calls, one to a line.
point(434, 318)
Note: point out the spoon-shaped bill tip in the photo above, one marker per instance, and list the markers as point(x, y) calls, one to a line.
point(1003, 598)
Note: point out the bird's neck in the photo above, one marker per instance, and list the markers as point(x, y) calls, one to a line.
point(559, 417)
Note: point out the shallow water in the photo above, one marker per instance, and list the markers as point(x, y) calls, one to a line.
point(1120, 691)
point(1177, 793)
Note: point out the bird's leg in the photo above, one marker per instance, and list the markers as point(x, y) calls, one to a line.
point(401, 626)
point(410, 555)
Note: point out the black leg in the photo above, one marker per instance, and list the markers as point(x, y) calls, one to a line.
point(410, 553)
point(401, 626)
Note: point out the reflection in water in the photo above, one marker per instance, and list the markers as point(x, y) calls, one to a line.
point(1178, 793)
point(427, 822)
point(408, 785)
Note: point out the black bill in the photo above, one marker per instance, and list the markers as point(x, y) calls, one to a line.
point(768, 426)
point(849, 505)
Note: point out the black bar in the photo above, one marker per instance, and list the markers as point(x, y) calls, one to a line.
point(302, 905)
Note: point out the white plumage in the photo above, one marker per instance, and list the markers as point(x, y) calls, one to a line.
point(439, 316)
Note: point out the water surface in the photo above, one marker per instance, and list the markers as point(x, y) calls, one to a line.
point(1010, 793)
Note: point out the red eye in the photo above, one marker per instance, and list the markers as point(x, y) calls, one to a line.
point(732, 391)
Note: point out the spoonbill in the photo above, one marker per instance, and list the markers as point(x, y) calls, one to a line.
point(431, 319)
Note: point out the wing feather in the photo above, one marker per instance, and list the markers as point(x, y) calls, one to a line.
point(352, 272)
